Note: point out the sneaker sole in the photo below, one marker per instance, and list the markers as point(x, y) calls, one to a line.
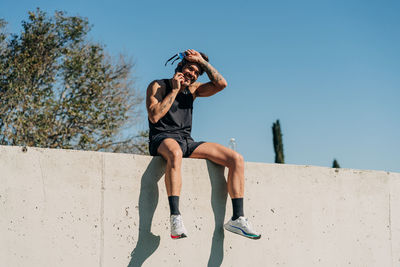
point(178, 236)
point(241, 232)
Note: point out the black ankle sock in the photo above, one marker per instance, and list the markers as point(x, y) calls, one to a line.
point(237, 204)
point(174, 205)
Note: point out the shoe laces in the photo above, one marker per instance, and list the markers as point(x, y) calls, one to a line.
point(246, 222)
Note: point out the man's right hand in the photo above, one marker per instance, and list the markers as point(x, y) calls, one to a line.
point(177, 80)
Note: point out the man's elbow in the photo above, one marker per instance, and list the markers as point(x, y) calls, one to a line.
point(153, 119)
point(222, 84)
point(225, 84)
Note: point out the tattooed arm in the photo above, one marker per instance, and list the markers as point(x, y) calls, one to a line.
point(217, 82)
point(157, 101)
point(214, 75)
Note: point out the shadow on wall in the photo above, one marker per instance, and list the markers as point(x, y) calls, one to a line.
point(148, 199)
point(218, 204)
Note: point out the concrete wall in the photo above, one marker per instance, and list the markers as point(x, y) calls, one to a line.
point(74, 208)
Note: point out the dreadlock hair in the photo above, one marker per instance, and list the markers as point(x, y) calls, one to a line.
point(184, 62)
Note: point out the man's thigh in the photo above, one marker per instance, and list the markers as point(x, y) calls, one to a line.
point(214, 152)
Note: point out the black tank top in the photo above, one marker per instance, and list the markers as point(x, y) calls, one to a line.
point(178, 119)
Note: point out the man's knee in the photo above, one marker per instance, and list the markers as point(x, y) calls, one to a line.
point(175, 156)
point(237, 160)
point(170, 150)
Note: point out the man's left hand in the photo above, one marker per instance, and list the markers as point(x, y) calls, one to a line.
point(193, 56)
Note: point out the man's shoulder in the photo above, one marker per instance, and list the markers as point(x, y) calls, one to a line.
point(160, 82)
point(157, 85)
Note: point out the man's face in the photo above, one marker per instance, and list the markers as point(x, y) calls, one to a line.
point(191, 72)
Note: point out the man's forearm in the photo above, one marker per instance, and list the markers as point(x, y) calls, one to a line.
point(215, 77)
point(167, 102)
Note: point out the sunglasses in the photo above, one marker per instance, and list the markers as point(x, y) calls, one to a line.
point(176, 57)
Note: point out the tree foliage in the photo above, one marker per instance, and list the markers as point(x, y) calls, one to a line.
point(60, 90)
point(278, 144)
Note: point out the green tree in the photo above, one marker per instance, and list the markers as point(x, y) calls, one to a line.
point(60, 90)
point(3, 36)
point(278, 144)
point(335, 164)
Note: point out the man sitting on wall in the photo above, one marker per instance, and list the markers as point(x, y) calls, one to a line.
point(169, 104)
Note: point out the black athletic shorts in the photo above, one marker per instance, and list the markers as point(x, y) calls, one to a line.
point(187, 144)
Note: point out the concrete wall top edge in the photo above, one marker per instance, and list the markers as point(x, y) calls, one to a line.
point(275, 165)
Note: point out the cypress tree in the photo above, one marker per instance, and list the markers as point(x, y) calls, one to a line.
point(278, 145)
point(335, 164)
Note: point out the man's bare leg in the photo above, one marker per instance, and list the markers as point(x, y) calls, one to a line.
point(227, 158)
point(172, 153)
point(235, 163)
point(170, 150)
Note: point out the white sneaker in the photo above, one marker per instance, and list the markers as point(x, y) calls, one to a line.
point(241, 226)
point(178, 230)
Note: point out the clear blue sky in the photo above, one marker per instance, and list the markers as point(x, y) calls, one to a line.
point(328, 70)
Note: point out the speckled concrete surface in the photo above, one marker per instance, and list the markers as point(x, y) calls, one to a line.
point(75, 208)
